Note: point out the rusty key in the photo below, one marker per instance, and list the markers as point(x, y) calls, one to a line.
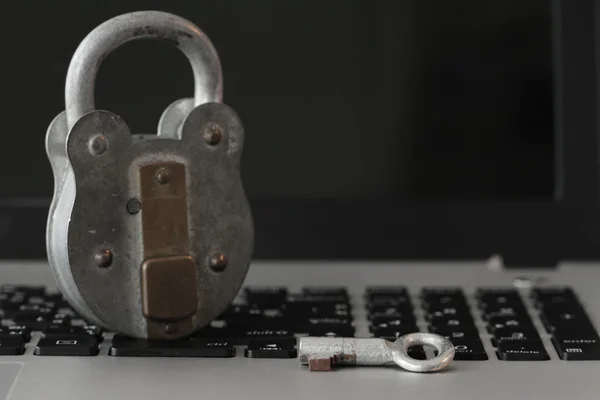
point(321, 353)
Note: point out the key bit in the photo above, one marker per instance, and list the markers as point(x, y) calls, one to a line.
point(321, 353)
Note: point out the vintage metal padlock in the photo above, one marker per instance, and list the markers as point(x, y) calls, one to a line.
point(151, 238)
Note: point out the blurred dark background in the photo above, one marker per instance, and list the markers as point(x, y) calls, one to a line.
point(339, 98)
point(359, 114)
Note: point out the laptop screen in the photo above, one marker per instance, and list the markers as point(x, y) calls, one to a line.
point(345, 101)
point(409, 99)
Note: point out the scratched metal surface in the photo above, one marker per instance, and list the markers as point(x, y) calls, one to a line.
point(87, 211)
point(217, 209)
point(98, 378)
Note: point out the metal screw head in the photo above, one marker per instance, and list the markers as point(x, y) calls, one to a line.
point(163, 176)
point(218, 262)
point(134, 206)
point(170, 328)
point(103, 258)
point(213, 134)
point(97, 145)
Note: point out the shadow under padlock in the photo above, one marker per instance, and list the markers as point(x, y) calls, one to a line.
point(149, 238)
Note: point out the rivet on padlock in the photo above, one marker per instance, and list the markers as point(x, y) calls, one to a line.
point(149, 238)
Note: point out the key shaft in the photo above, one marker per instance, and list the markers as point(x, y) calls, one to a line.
point(346, 351)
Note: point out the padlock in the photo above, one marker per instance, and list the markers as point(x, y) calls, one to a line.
point(152, 237)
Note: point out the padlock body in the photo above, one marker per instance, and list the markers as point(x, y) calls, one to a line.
point(135, 226)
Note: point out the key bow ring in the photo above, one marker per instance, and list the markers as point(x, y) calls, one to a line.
point(321, 353)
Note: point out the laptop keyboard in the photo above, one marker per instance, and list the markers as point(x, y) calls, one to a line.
point(269, 320)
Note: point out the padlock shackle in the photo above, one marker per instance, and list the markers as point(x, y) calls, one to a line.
point(98, 44)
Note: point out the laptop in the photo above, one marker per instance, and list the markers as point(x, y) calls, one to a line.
point(411, 167)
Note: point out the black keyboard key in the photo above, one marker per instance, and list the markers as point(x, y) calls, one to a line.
point(498, 296)
point(445, 301)
point(67, 312)
point(266, 295)
point(75, 321)
point(214, 333)
point(39, 300)
point(393, 313)
point(29, 309)
point(550, 309)
point(64, 319)
point(390, 291)
point(55, 346)
point(434, 306)
point(512, 323)
point(329, 321)
point(460, 312)
point(566, 320)
point(243, 310)
point(123, 346)
point(31, 322)
point(290, 341)
point(282, 348)
point(461, 326)
point(325, 291)
point(458, 322)
point(404, 317)
point(54, 296)
point(442, 299)
point(382, 303)
point(510, 334)
point(30, 290)
point(72, 332)
point(375, 309)
point(500, 300)
point(328, 326)
point(541, 292)
point(494, 291)
point(392, 333)
point(297, 310)
point(12, 301)
point(570, 336)
point(243, 337)
point(441, 290)
point(16, 330)
point(567, 343)
point(555, 297)
point(559, 310)
point(264, 318)
point(12, 345)
point(521, 351)
point(468, 350)
point(471, 335)
point(384, 299)
point(332, 334)
point(442, 296)
point(257, 317)
point(559, 302)
point(391, 338)
point(312, 299)
point(292, 326)
point(392, 324)
point(58, 299)
point(577, 351)
point(8, 289)
point(504, 311)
